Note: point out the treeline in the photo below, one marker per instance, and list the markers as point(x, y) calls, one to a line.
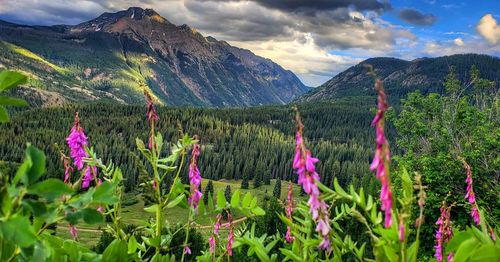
point(252, 144)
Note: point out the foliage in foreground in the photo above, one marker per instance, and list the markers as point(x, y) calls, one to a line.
point(30, 206)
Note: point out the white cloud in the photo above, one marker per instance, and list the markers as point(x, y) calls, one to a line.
point(489, 29)
point(458, 41)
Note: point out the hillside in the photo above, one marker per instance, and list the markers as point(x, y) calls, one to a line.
point(401, 77)
point(116, 55)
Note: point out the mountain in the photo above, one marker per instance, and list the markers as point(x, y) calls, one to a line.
point(117, 55)
point(401, 77)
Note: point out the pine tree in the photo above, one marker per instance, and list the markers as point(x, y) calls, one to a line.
point(277, 188)
point(244, 183)
point(227, 193)
point(209, 190)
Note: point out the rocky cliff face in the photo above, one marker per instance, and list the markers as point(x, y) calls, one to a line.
point(401, 77)
point(117, 55)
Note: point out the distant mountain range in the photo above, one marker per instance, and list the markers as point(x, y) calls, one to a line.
point(401, 77)
point(115, 56)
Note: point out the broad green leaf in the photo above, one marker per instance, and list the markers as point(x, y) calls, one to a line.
point(465, 250)
point(18, 230)
point(73, 217)
point(221, 199)
point(10, 101)
point(412, 252)
point(105, 194)
point(92, 216)
point(132, 245)
point(10, 79)
point(235, 199)
point(116, 251)
point(486, 253)
point(32, 168)
point(50, 189)
point(246, 200)
point(176, 201)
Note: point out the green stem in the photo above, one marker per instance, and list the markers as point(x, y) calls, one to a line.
point(187, 233)
point(183, 154)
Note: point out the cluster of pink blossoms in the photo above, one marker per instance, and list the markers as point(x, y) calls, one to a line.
point(211, 240)
point(303, 164)
point(230, 237)
point(289, 209)
point(73, 231)
point(380, 163)
point(444, 233)
point(194, 178)
point(77, 140)
point(470, 196)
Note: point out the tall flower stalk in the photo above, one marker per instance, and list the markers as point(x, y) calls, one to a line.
point(443, 233)
point(470, 196)
point(230, 236)
point(195, 193)
point(289, 209)
point(380, 163)
point(68, 169)
point(303, 164)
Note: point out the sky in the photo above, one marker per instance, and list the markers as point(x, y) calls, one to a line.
point(316, 39)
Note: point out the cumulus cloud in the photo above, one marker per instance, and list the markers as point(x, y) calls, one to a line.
point(450, 47)
point(489, 29)
point(415, 17)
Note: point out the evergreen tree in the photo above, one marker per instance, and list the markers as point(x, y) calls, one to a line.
point(227, 193)
point(277, 189)
point(209, 190)
point(244, 183)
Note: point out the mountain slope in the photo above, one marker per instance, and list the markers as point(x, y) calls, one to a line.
point(117, 55)
point(401, 77)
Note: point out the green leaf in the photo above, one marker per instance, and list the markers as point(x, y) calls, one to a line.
point(486, 253)
point(105, 194)
point(18, 230)
point(258, 211)
point(246, 200)
point(132, 245)
point(73, 217)
point(92, 216)
point(151, 209)
point(10, 79)
point(50, 189)
point(465, 250)
point(412, 252)
point(10, 101)
point(201, 207)
point(176, 201)
point(221, 199)
point(116, 251)
point(4, 115)
point(32, 167)
point(235, 199)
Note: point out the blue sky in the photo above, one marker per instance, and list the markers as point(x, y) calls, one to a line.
point(316, 39)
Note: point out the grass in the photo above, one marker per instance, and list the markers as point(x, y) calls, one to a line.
point(29, 54)
point(135, 214)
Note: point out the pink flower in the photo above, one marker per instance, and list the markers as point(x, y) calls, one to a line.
point(303, 163)
point(230, 237)
point(450, 257)
point(211, 242)
point(444, 232)
point(401, 234)
point(194, 178)
point(77, 142)
point(155, 184)
point(470, 196)
point(187, 250)
point(67, 167)
point(152, 116)
point(88, 176)
point(73, 231)
point(380, 163)
point(289, 209)
point(217, 224)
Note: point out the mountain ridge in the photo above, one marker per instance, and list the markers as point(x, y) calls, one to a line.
point(401, 76)
point(116, 55)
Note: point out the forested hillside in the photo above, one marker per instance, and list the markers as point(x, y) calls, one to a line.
point(402, 77)
point(253, 143)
